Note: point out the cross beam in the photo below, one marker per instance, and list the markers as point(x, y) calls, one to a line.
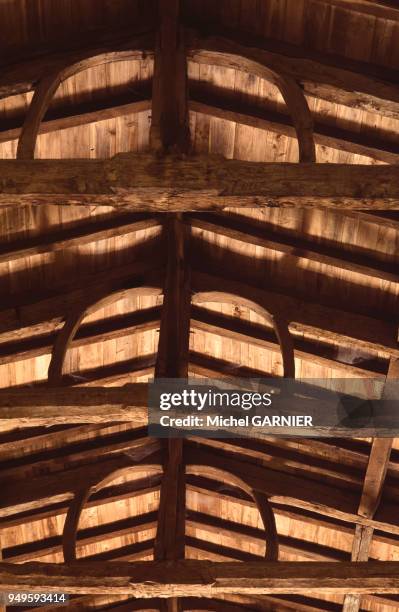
point(176, 183)
point(202, 578)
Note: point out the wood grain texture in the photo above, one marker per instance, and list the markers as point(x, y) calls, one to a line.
point(202, 578)
point(319, 76)
point(175, 184)
point(329, 322)
point(57, 406)
point(22, 76)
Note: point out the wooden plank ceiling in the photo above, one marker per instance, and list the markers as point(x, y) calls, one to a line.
point(331, 275)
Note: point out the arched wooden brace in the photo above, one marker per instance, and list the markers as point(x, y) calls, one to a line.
point(67, 333)
point(280, 324)
point(261, 501)
point(47, 87)
point(83, 494)
point(223, 52)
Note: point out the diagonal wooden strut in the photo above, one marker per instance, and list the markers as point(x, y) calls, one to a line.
point(371, 495)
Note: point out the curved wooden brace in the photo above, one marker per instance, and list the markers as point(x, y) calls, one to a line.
point(47, 87)
point(81, 496)
point(280, 324)
point(261, 501)
point(66, 335)
point(227, 53)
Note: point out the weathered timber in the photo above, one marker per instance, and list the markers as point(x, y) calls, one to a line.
point(174, 183)
point(63, 406)
point(202, 578)
point(173, 362)
point(170, 124)
point(374, 480)
point(59, 488)
point(341, 81)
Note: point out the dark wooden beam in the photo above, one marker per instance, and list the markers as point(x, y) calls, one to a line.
point(171, 183)
point(170, 132)
point(203, 320)
point(332, 324)
point(170, 129)
point(373, 486)
point(263, 337)
point(173, 362)
point(66, 117)
point(20, 75)
point(340, 81)
point(77, 405)
point(232, 109)
point(118, 326)
point(90, 535)
point(84, 233)
point(217, 105)
point(266, 235)
point(289, 489)
point(45, 309)
point(202, 578)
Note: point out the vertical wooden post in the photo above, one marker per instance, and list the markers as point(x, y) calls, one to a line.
point(170, 133)
point(170, 120)
point(172, 362)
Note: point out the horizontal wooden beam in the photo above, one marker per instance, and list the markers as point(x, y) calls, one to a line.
point(202, 578)
point(144, 182)
point(20, 408)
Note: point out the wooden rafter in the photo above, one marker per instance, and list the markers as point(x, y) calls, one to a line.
point(20, 76)
point(231, 108)
point(268, 236)
point(214, 105)
point(321, 76)
point(330, 323)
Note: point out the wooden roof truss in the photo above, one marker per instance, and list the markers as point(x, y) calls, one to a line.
point(169, 180)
